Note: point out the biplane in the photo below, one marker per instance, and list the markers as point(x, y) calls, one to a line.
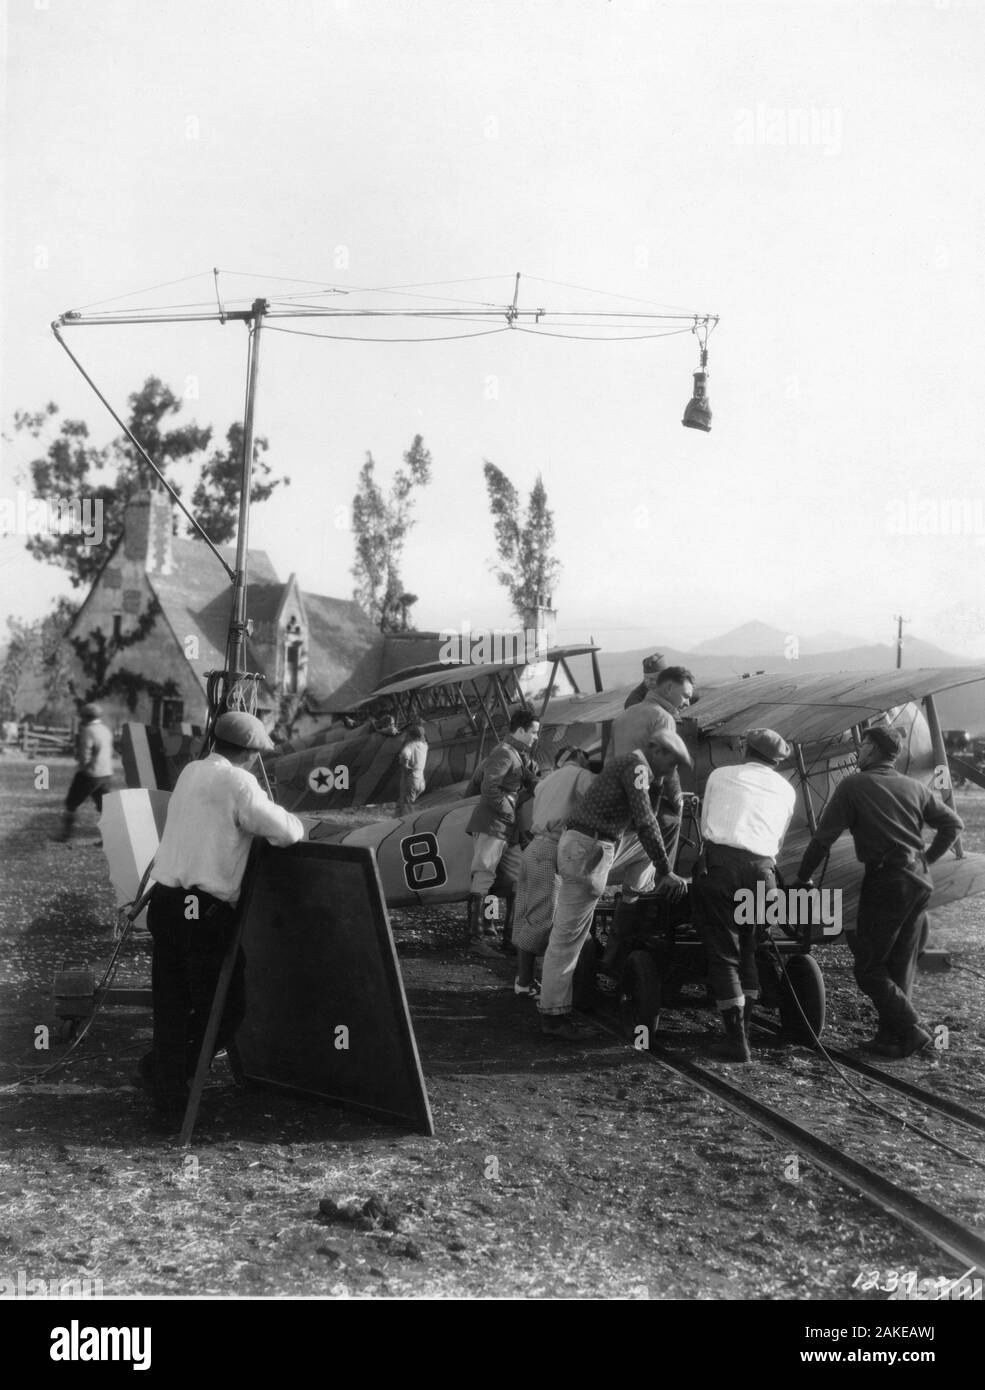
point(424, 858)
point(463, 708)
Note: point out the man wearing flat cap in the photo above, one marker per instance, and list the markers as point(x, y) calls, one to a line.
point(886, 813)
point(745, 814)
point(216, 809)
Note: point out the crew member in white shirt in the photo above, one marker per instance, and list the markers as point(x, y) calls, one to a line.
point(216, 809)
point(745, 814)
point(94, 751)
point(412, 760)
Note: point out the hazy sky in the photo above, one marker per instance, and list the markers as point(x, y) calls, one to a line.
point(811, 172)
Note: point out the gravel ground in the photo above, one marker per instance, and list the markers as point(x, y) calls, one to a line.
point(585, 1172)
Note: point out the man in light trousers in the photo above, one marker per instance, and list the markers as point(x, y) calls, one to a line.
point(623, 798)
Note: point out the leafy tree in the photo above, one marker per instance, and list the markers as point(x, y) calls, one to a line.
point(381, 525)
point(38, 648)
point(66, 471)
point(15, 661)
point(215, 501)
point(528, 571)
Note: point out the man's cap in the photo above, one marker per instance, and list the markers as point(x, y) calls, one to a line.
point(654, 663)
point(669, 742)
point(888, 740)
point(243, 730)
point(90, 712)
point(768, 744)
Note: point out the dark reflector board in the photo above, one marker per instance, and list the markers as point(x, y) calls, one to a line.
point(326, 1013)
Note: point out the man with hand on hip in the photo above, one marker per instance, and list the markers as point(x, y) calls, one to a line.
point(886, 813)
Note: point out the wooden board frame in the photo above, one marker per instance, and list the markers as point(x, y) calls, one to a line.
point(320, 955)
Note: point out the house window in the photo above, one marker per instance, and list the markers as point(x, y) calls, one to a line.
point(167, 713)
point(292, 669)
point(131, 600)
point(293, 657)
point(117, 626)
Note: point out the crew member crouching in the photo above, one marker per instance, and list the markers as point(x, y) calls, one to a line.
point(215, 811)
point(745, 814)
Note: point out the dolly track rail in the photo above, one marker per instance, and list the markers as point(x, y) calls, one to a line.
point(942, 1105)
point(960, 1242)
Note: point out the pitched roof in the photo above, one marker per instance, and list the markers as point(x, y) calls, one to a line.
point(405, 650)
point(196, 598)
point(345, 653)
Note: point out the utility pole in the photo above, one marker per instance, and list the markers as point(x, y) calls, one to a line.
point(899, 639)
point(236, 646)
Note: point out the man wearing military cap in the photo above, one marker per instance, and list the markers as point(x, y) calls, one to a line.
point(886, 813)
point(94, 751)
point(745, 814)
point(651, 666)
point(216, 809)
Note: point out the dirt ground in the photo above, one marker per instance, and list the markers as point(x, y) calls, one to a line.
point(560, 1172)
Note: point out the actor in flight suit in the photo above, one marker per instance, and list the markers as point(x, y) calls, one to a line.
point(745, 814)
point(509, 770)
point(886, 813)
point(215, 810)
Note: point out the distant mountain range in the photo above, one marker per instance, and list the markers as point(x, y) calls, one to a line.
point(756, 646)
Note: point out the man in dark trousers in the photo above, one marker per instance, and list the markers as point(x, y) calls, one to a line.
point(94, 751)
point(216, 809)
point(745, 813)
point(886, 813)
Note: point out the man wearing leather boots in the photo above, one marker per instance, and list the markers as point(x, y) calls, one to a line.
point(746, 811)
point(886, 813)
point(509, 771)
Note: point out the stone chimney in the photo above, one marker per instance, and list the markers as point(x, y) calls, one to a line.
point(542, 619)
point(147, 530)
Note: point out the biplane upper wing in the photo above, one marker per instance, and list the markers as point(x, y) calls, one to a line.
point(589, 709)
point(804, 709)
point(812, 707)
point(460, 672)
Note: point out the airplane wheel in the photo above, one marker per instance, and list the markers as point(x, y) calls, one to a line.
point(804, 979)
point(583, 989)
point(639, 998)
